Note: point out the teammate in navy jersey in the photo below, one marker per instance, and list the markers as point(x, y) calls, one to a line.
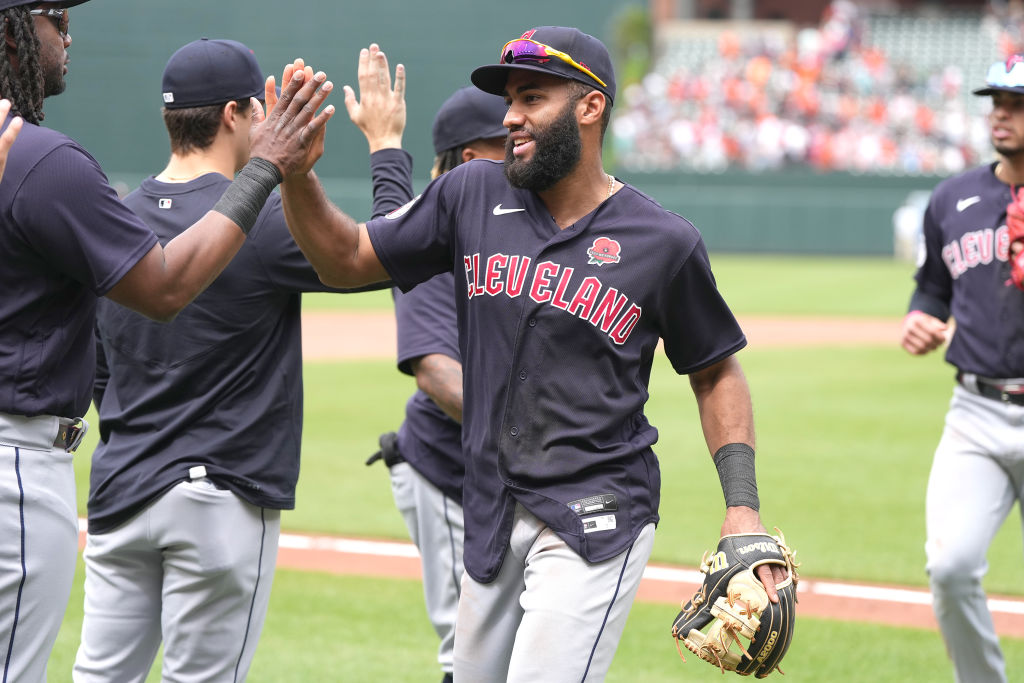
point(200, 420)
point(978, 469)
point(67, 240)
point(567, 281)
point(9, 135)
point(424, 458)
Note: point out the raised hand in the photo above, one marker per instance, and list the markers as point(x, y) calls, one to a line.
point(9, 135)
point(291, 135)
point(380, 110)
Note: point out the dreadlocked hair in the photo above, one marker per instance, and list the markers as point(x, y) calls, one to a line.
point(446, 161)
point(24, 86)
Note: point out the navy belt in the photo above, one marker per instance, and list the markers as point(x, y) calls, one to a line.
point(1007, 391)
point(70, 434)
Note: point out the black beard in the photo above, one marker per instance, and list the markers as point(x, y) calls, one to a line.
point(556, 151)
point(53, 80)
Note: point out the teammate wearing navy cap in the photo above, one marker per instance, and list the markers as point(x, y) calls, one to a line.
point(964, 272)
point(425, 458)
point(67, 240)
point(201, 419)
point(567, 281)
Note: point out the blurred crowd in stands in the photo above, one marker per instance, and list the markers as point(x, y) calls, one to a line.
point(823, 97)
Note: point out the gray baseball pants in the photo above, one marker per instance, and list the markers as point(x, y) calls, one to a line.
point(38, 544)
point(549, 616)
point(976, 476)
point(194, 570)
point(436, 526)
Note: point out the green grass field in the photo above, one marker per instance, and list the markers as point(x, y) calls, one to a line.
point(845, 444)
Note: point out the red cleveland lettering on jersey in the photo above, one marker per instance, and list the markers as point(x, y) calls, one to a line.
point(976, 248)
point(603, 307)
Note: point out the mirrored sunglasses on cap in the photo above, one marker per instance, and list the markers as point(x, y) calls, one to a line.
point(526, 50)
point(1008, 74)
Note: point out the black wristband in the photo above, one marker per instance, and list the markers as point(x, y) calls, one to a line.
point(244, 198)
point(735, 464)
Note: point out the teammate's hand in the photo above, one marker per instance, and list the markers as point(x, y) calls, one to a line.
point(291, 136)
point(9, 135)
point(270, 86)
point(740, 519)
point(922, 333)
point(380, 110)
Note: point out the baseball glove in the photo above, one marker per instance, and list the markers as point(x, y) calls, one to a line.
point(1015, 230)
point(735, 603)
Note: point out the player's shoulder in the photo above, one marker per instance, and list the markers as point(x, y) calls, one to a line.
point(639, 207)
point(36, 143)
point(479, 170)
point(975, 181)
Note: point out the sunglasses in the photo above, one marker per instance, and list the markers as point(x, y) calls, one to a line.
point(526, 50)
point(60, 16)
point(1008, 74)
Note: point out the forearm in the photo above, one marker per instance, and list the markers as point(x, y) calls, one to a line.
point(440, 378)
point(330, 240)
point(167, 279)
point(724, 405)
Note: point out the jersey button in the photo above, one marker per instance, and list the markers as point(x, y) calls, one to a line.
point(514, 431)
point(522, 375)
point(532, 322)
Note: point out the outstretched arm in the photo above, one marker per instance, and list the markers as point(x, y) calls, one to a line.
point(727, 418)
point(167, 278)
point(338, 247)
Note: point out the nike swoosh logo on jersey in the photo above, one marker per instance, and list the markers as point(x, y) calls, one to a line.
point(964, 203)
point(498, 211)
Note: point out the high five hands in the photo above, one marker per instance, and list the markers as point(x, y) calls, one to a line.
point(291, 133)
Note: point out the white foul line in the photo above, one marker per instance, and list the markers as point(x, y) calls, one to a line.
point(905, 596)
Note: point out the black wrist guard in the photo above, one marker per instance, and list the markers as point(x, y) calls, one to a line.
point(735, 464)
point(244, 198)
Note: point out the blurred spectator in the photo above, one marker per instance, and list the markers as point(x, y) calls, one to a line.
point(827, 99)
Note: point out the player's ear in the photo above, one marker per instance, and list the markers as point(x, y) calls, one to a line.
point(591, 108)
point(468, 154)
point(227, 115)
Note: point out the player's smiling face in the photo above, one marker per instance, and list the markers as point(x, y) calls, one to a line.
point(543, 144)
point(1007, 123)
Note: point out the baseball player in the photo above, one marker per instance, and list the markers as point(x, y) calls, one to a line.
point(67, 240)
point(425, 457)
point(9, 135)
point(964, 272)
point(201, 419)
point(567, 280)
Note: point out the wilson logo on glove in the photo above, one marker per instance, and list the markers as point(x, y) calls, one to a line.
point(735, 604)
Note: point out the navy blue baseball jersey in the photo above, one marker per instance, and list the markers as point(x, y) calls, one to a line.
point(428, 438)
point(219, 386)
point(66, 240)
point(966, 270)
point(557, 334)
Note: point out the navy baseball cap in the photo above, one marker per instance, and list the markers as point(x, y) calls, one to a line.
point(558, 50)
point(470, 114)
point(206, 72)
point(7, 4)
point(1005, 76)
